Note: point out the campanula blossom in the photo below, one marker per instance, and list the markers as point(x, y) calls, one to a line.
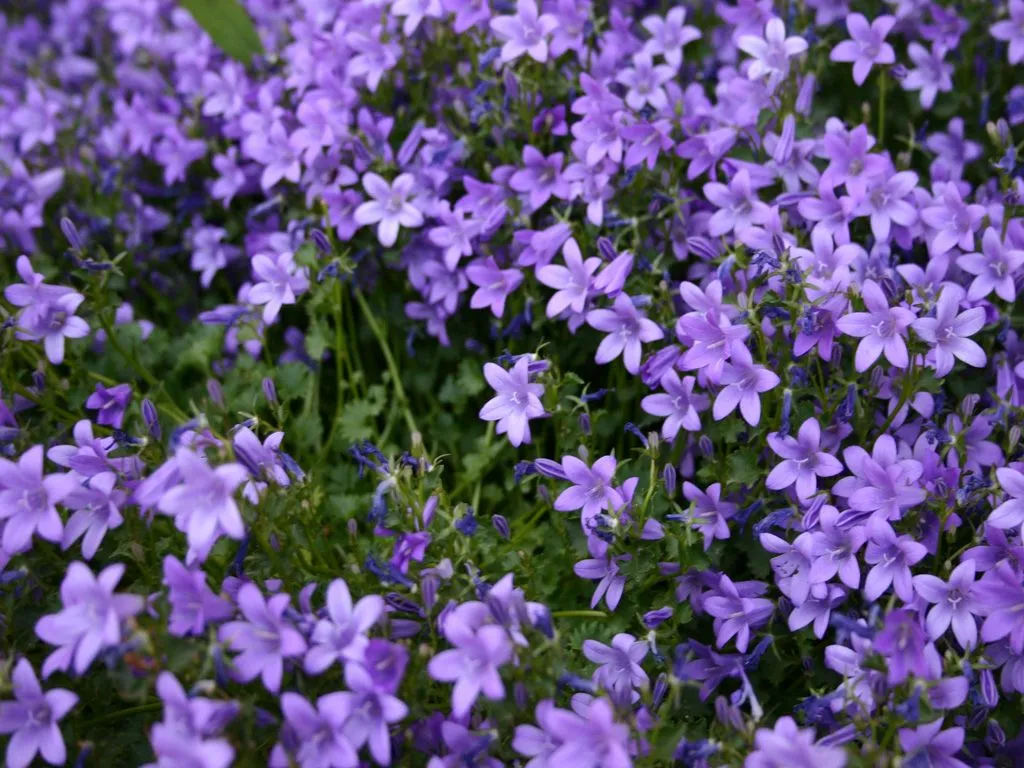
point(516, 401)
point(866, 46)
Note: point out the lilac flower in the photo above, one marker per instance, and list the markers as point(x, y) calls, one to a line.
point(792, 565)
point(194, 715)
point(111, 403)
point(1009, 514)
point(852, 163)
point(677, 403)
point(28, 499)
point(591, 489)
point(835, 550)
point(516, 402)
point(175, 748)
point(867, 45)
point(648, 141)
point(34, 293)
point(341, 635)
point(572, 282)
point(542, 177)
point(620, 668)
point(202, 505)
point(455, 234)
point(193, 603)
point(994, 268)
point(627, 329)
point(885, 203)
point(803, 463)
point(390, 208)
point(264, 639)
point(414, 11)
point(713, 337)
point(954, 222)
point(952, 150)
point(881, 329)
point(525, 32)
point(948, 331)
point(53, 322)
point(709, 515)
point(902, 642)
point(372, 709)
point(788, 746)
point(931, 75)
point(882, 483)
point(97, 510)
point(1010, 31)
point(603, 568)
point(954, 604)
point(320, 731)
point(553, 741)
point(90, 620)
point(645, 82)
point(744, 383)
point(736, 614)
point(1000, 596)
point(494, 285)
point(816, 610)
point(669, 35)
point(263, 460)
point(891, 557)
point(473, 664)
point(738, 205)
point(930, 745)
point(32, 719)
point(771, 53)
point(272, 149)
point(277, 282)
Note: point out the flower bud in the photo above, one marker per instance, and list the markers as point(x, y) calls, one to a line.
point(151, 420)
point(270, 390)
point(500, 523)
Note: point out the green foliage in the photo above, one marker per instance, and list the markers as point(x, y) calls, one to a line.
point(229, 25)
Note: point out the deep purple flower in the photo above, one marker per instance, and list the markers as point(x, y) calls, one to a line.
point(948, 331)
point(572, 282)
point(952, 151)
point(591, 490)
point(803, 461)
point(620, 668)
point(736, 613)
point(835, 550)
point(867, 45)
point(1000, 596)
point(954, 604)
point(32, 719)
point(930, 745)
point(995, 268)
point(526, 32)
point(473, 664)
point(902, 642)
point(389, 208)
point(744, 383)
point(278, 280)
point(677, 403)
point(111, 403)
point(885, 203)
point(881, 329)
point(603, 567)
point(494, 285)
point(264, 639)
point(852, 163)
point(372, 709)
point(341, 635)
point(90, 620)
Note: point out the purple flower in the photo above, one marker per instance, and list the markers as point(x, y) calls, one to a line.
point(591, 488)
point(816, 610)
point(788, 746)
point(572, 282)
point(265, 639)
point(1009, 514)
point(803, 462)
point(372, 710)
point(669, 35)
point(273, 149)
point(955, 223)
point(196, 716)
point(738, 205)
point(994, 268)
point(645, 82)
point(891, 557)
point(627, 329)
point(320, 731)
point(473, 664)
point(52, 322)
point(881, 329)
point(111, 403)
point(1000, 596)
point(32, 719)
point(736, 613)
point(203, 505)
point(175, 748)
point(90, 620)
point(771, 53)
point(494, 285)
point(852, 163)
point(885, 203)
point(953, 604)
point(554, 741)
point(952, 151)
point(648, 141)
point(415, 11)
point(902, 642)
point(193, 603)
point(263, 460)
point(677, 403)
point(744, 383)
point(542, 177)
point(1010, 31)
point(97, 510)
point(525, 32)
point(277, 282)
point(390, 208)
point(867, 45)
point(455, 234)
point(931, 73)
point(709, 514)
point(930, 745)
point(341, 635)
point(603, 568)
point(620, 668)
point(28, 499)
point(834, 550)
point(948, 331)
point(516, 402)
point(883, 483)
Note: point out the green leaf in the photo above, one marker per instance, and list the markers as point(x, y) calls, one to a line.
point(743, 468)
point(228, 24)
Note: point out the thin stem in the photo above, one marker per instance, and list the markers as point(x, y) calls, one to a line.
point(579, 614)
point(389, 359)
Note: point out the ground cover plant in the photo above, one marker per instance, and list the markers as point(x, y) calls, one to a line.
point(464, 383)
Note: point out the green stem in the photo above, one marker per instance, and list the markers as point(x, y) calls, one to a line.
point(881, 106)
point(151, 707)
point(579, 614)
point(389, 359)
